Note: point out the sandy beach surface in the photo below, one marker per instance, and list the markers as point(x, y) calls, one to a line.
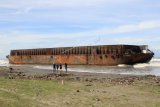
point(79, 89)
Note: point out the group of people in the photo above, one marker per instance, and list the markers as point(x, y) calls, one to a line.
point(56, 67)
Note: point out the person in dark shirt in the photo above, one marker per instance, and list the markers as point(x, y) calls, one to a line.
point(60, 66)
point(11, 69)
point(65, 65)
point(54, 67)
point(57, 65)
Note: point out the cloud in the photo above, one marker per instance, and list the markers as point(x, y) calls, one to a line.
point(88, 12)
point(50, 23)
point(20, 39)
point(144, 25)
point(23, 10)
point(26, 37)
point(138, 40)
point(136, 27)
point(59, 3)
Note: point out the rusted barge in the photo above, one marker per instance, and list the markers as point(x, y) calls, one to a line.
point(84, 55)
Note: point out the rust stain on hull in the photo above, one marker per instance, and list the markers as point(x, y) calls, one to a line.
point(84, 55)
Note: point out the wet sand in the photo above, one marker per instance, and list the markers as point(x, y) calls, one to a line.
point(29, 72)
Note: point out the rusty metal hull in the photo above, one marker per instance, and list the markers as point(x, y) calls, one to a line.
point(90, 56)
point(81, 59)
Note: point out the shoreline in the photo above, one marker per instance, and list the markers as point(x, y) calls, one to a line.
point(88, 69)
point(30, 70)
point(25, 72)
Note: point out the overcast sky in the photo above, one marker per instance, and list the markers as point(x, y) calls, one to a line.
point(56, 23)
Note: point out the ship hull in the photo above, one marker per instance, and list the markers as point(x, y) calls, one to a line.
point(107, 59)
point(83, 55)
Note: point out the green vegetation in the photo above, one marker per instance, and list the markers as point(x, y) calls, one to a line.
point(51, 93)
point(27, 93)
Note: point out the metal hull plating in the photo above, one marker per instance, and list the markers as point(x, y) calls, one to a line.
point(90, 56)
point(81, 59)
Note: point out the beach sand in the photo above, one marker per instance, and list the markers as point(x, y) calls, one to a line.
point(83, 89)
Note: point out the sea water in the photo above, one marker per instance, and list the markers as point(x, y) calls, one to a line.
point(4, 63)
point(151, 68)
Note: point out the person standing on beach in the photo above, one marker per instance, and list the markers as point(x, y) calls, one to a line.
point(54, 67)
point(65, 65)
point(11, 69)
point(57, 65)
point(60, 66)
